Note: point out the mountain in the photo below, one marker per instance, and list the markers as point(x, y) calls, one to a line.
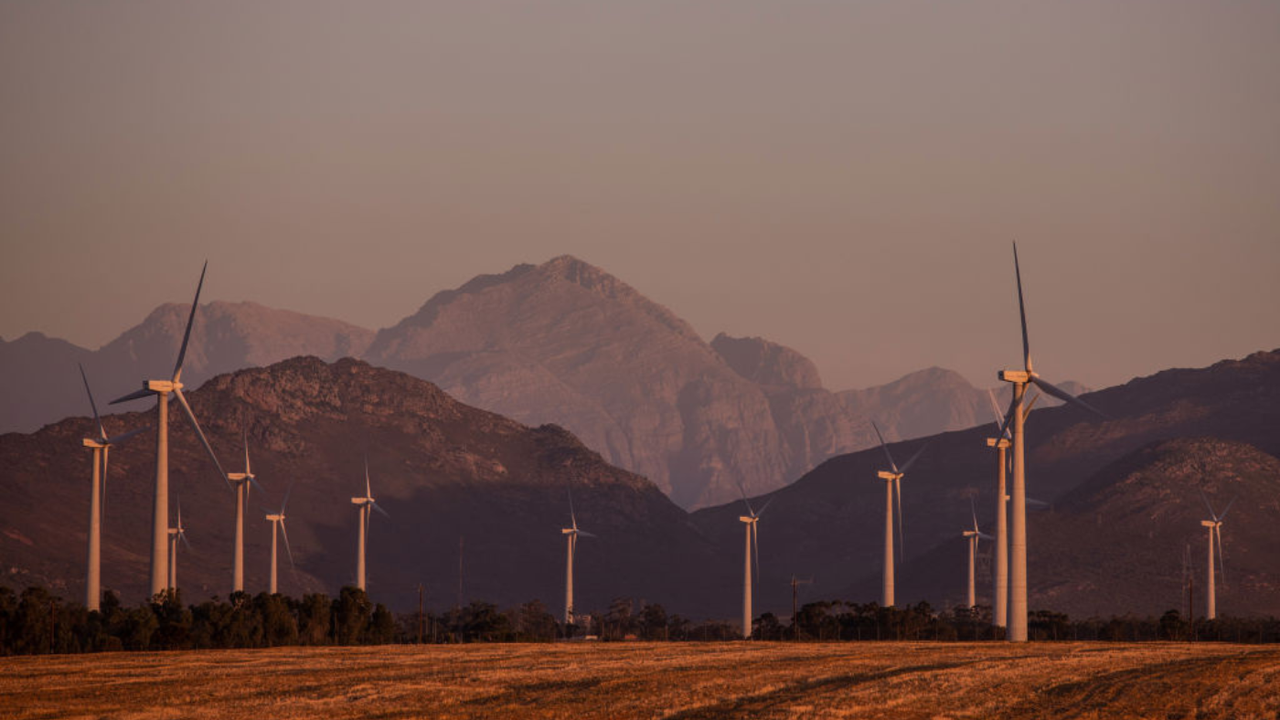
point(566, 342)
point(830, 523)
point(442, 470)
point(934, 400)
point(40, 385)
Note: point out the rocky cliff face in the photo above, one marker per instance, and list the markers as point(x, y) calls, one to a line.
point(566, 342)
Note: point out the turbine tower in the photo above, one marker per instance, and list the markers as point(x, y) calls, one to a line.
point(571, 534)
point(892, 487)
point(160, 501)
point(101, 446)
point(1000, 596)
point(1020, 379)
point(973, 535)
point(277, 521)
point(365, 505)
point(752, 551)
point(176, 534)
point(242, 482)
point(1215, 531)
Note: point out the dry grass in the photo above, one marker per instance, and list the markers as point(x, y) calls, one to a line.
point(638, 680)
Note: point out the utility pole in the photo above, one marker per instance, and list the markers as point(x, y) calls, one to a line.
point(420, 613)
point(795, 624)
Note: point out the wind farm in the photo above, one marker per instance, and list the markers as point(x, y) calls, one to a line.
point(698, 272)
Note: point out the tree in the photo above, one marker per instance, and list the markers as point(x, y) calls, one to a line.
point(534, 623)
point(653, 622)
point(314, 619)
point(352, 612)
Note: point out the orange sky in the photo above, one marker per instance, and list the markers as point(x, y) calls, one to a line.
point(843, 177)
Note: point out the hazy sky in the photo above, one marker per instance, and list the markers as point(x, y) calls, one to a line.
point(843, 177)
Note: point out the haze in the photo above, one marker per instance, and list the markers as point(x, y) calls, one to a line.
point(844, 178)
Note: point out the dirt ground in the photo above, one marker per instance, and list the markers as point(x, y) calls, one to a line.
point(660, 680)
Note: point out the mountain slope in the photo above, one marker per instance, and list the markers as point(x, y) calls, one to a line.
point(441, 469)
point(566, 342)
point(830, 523)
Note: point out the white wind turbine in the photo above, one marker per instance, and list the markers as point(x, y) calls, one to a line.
point(1215, 531)
point(242, 483)
point(101, 446)
point(571, 534)
point(176, 534)
point(973, 535)
point(752, 551)
point(1000, 596)
point(892, 487)
point(1018, 546)
point(160, 501)
point(277, 521)
point(366, 505)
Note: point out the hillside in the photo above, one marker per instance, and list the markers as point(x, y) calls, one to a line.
point(441, 469)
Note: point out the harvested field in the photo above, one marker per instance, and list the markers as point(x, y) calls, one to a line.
point(664, 680)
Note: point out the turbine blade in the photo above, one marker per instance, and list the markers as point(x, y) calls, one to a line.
point(287, 549)
point(125, 436)
point(1008, 416)
point(1222, 567)
point(1026, 411)
point(1212, 514)
point(135, 395)
point(186, 336)
point(584, 533)
point(368, 492)
point(186, 408)
point(1065, 396)
point(378, 507)
point(892, 464)
point(286, 498)
point(755, 548)
point(1223, 516)
point(183, 537)
point(102, 434)
point(766, 505)
point(573, 519)
point(984, 536)
point(247, 471)
point(102, 502)
point(1022, 312)
point(897, 490)
point(914, 457)
point(743, 490)
point(973, 510)
point(995, 408)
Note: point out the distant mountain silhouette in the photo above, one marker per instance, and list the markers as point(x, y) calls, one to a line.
point(40, 384)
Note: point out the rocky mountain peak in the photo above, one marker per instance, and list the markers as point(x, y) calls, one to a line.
point(767, 363)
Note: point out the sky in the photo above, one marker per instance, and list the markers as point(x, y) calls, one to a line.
point(843, 177)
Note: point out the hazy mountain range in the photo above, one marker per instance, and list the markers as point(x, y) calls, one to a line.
point(1123, 493)
point(561, 342)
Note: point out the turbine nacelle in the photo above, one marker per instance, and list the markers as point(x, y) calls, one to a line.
point(1001, 443)
point(747, 519)
point(1210, 523)
point(887, 475)
point(361, 500)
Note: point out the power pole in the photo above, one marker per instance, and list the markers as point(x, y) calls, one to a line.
point(420, 613)
point(795, 623)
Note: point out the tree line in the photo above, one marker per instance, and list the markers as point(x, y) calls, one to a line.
point(37, 622)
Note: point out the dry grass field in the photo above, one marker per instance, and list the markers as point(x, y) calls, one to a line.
point(640, 680)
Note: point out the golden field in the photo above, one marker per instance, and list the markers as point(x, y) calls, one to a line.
point(656, 680)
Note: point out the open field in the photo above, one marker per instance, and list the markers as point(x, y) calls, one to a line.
point(669, 680)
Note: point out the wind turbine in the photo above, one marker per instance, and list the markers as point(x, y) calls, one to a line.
point(365, 504)
point(892, 487)
point(176, 534)
point(571, 534)
point(1000, 596)
point(752, 551)
point(101, 446)
point(160, 501)
point(242, 482)
point(1215, 530)
point(973, 536)
point(1018, 547)
point(277, 520)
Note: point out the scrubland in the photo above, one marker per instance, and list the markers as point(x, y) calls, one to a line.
point(656, 680)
